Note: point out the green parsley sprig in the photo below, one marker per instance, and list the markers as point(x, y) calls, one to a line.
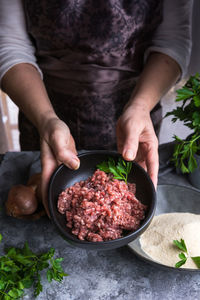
point(181, 245)
point(183, 258)
point(20, 269)
point(120, 170)
point(188, 113)
point(184, 150)
point(196, 260)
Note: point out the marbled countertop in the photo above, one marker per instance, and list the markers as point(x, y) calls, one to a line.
point(93, 275)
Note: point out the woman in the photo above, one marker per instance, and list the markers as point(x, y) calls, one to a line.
point(105, 66)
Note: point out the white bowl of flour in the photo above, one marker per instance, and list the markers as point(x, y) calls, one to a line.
point(177, 217)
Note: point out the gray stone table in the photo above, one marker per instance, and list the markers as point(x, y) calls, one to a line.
point(93, 275)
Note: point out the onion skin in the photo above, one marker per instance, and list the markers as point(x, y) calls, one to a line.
point(35, 182)
point(21, 201)
point(25, 201)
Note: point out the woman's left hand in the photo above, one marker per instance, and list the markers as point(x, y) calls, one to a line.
point(136, 138)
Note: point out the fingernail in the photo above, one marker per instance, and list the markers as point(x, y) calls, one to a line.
point(128, 154)
point(75, 163)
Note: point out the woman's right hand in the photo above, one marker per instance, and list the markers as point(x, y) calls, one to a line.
point(57, 146)
point(25, 87)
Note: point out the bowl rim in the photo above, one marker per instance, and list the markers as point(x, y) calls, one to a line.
point(129, 236)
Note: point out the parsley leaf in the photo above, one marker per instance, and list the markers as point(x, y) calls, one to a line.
point(182, 256)
point(181, 245)
point(120, 170)
point(20, 269)
point(196, 260)
point(180, 263)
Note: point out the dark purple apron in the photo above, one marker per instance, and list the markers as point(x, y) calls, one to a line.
point(91, 54)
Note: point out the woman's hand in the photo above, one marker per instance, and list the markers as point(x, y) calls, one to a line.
point(57, 146)
point(24, 86)
point(136, 139)
point(135, 134)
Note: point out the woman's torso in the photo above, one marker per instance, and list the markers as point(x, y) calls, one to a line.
point(91, 54)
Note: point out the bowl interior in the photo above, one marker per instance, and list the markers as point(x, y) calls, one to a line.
point(171, 198)
point(64, 177)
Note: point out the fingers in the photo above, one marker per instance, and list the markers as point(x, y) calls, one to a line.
point(48, 166)
point(57, 146)
point(147, 157)
point(63, 147)
point(137, 141)
point(152, 163)
point(63, 155)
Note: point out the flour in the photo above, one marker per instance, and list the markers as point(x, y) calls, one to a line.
point(157, 240)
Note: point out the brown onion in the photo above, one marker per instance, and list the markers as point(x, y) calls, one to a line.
point(21, 201)
point(35, 182)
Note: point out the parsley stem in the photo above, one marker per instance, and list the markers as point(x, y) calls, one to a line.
point(196, 138)
point(4, 292)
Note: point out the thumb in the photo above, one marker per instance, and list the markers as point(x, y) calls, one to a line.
point(130, 147)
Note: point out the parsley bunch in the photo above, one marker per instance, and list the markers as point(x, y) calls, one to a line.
point(184, 150)
point(183, 258)
point(120, 170)
point(189, 114)
point(20, 269)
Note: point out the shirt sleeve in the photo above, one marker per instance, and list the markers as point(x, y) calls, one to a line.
point(15, 44)
point(173, 36)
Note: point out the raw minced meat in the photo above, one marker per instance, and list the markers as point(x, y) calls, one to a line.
point(101, 208)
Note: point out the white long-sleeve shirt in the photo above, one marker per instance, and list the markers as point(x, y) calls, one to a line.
point(172, 37)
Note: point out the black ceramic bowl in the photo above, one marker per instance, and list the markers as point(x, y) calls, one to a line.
point(64, 177)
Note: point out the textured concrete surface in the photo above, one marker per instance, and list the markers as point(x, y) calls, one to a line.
point(93, 275)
